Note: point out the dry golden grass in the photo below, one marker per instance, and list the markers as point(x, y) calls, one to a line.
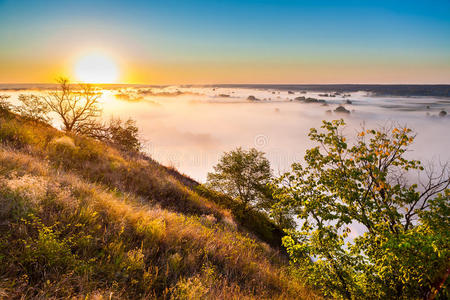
point(132, 172)
point(81, 220)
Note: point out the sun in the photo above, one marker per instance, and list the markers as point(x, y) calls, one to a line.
point(96, 68)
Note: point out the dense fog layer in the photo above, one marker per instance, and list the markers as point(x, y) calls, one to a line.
point(190, 127)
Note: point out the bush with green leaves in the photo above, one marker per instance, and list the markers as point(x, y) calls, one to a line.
point(401, 249)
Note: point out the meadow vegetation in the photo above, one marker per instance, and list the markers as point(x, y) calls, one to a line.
point(84, 218)
point(85, 214)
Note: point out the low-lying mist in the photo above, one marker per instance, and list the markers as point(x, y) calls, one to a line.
point(190, 127)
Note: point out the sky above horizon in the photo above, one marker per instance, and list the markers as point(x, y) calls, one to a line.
point(207, 42)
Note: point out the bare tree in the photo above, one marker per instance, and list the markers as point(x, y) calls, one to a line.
point(77, 108)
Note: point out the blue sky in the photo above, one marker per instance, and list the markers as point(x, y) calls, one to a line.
point(233, 41)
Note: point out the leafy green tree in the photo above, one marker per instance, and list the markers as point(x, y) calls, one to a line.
point(244, 176)
point(402, 249)
point(33, 108)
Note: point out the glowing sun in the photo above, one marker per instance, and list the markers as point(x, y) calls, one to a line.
point(96, 68)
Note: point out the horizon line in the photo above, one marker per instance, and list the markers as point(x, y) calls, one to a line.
point(223, 84)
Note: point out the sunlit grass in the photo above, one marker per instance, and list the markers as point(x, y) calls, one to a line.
point(86, 220)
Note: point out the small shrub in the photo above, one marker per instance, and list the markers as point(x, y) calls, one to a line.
point(245, 175)
point(47, 251)
point(4, 103)
point(190, 289)
point(197, 287)
point(33, 108)
point(135, 260)
point(152, 230)
point(16, 134)
point(64, 142)
point(175, 262)
point(62, 151)
point(124, 134)
point(75, 152)
point(12, 205)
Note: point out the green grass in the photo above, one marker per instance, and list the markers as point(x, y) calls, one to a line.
point(81, 219)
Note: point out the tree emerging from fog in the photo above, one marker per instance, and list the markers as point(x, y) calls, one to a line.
point(403, 251)
point(243, 175)
point(78, 108)
point(123, 134)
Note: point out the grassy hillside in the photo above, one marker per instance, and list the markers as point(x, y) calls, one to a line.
point(81, 219)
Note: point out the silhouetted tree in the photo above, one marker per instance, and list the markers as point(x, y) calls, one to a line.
point(77, 108)
point(123, 134)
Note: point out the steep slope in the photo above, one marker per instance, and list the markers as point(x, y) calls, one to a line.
point(79, 218)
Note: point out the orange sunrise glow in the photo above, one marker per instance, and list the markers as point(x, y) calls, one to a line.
point(225, 149)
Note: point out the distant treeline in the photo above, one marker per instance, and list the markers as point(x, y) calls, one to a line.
point(435, 90)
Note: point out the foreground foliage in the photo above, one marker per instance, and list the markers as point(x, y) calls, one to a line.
point(365, 232)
